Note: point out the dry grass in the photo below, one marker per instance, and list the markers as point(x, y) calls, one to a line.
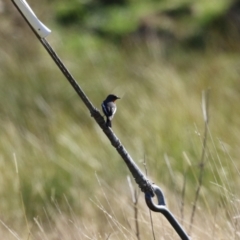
point(72, 183)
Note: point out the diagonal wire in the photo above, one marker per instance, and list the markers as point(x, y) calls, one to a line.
point(143, 182)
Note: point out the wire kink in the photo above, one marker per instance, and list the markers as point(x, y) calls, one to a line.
point(143, 182)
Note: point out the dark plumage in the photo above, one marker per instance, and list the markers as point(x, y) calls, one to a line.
point(109, 108)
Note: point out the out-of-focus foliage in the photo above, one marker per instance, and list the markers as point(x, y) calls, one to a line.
point(158, 56)
point(187, 22)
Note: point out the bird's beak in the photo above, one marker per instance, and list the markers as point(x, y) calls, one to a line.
point(118, 98)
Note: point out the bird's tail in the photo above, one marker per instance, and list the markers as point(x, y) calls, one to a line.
point(108, 123)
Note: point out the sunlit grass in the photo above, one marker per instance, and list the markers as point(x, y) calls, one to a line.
point(60, 150)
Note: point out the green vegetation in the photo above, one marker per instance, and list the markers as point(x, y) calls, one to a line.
point(72, 182)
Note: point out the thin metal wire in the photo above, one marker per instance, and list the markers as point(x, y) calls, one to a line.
point(144, 183)
point(161, 207)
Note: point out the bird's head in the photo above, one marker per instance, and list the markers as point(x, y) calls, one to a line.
point(112, 98)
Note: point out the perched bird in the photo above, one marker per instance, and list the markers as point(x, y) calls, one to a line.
point(109, 108)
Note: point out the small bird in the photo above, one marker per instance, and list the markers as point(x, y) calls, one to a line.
point(109, 108)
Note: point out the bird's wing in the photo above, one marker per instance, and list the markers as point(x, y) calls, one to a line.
point(105, 109)
point(112, 110)
point(109, 109)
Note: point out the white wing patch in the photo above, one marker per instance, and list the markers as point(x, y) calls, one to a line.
point(113, 110)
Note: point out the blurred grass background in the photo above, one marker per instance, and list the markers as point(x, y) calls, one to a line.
point(158, 56)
